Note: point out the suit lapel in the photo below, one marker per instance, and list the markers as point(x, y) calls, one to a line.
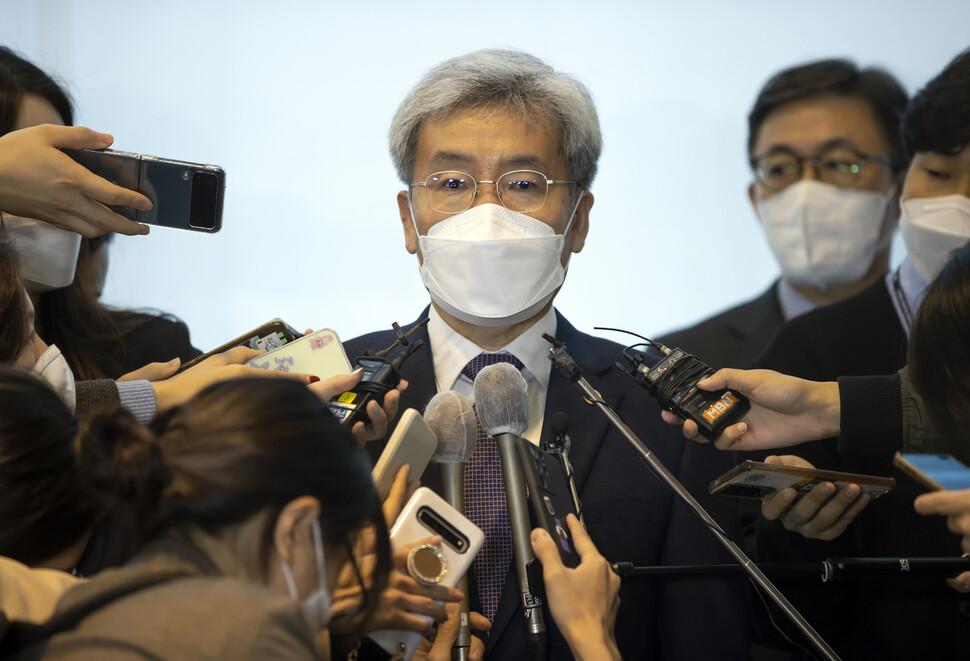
point(587, 430)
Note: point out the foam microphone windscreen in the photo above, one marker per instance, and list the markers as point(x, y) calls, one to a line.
point(502, 400)
point(451, 417)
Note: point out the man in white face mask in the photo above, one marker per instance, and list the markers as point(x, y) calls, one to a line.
point(497, 153)
point(868, 334)
point(826, 154)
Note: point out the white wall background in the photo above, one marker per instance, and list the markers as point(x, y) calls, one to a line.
point(294, 99)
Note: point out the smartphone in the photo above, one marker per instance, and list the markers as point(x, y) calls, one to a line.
point(934, 471)
point(755, 480)
point(320, 354)
point(424, 515)
point(271, 335)
point(549, 496)
point(186, 195)
point(412, 443)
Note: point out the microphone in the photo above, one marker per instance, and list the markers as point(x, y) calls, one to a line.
point(451, 417)
point(502, 403)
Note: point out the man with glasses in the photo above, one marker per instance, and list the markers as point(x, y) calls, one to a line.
point(498, 152)
point(826, 153)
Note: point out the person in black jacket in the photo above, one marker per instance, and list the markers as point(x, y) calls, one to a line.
point(868, 334)
point(826, 154)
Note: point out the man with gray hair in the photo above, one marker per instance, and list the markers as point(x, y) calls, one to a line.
point(498, 153)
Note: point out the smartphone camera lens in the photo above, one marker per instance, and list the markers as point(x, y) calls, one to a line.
point(185, 174)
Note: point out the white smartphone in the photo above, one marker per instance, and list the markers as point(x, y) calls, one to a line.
point(424, 515)
point(412, 443)
point(935, 471)
point(320, 354)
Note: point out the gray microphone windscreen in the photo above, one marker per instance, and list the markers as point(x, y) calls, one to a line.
point(451, 417)
point(502, 400)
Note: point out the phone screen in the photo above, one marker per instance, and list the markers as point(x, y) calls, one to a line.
point(942, 469)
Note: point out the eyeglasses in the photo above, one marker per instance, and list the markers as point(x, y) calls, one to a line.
point(840, 166)
point(452, 191)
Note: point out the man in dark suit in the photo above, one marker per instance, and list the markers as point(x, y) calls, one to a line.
point(826, 153)
point(498, 152)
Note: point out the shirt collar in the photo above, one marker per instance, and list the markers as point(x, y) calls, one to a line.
point(451, 350)
point(792, 303)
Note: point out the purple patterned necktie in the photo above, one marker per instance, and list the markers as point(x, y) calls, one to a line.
point(485, 502)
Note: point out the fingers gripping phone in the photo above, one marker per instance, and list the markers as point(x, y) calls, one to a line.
point(550, 499)
point(320, 354)
point(185, 195)
point(427, 514)
point(755, 480)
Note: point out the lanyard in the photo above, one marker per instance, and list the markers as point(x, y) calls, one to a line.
point(901, 303)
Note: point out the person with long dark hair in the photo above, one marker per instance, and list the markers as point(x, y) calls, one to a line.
point(239, 518)
point(98, 342)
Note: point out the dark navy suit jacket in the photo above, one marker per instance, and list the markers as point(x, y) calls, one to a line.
point(629, 514)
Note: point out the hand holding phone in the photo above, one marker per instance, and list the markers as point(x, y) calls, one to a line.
point(934, 471)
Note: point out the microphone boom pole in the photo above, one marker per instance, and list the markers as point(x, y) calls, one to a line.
point(568, 366)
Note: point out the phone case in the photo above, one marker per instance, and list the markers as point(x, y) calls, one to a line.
point(549, 497)
point(320, 354)
point(411, 443)
point(460, 545)
point(271, 335)
point(755, 480)
point(934, 471)
point(185, 195)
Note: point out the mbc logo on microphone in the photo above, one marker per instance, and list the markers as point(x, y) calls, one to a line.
point(721, 406)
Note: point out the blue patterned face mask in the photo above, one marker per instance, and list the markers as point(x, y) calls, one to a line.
point(316, 607)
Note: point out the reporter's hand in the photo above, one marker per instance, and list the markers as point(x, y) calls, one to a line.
point(401, 491)
point(954, 505)
point(439, 646)
point(785, 410)
point(153, 371)
point(823, 513)
point(583, 601)
point(38, 180)
point(220, 367)
point(379, 415)
point(401, 604)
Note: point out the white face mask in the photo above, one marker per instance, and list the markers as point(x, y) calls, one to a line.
point(316, 607)
point(48, 254)
point(490, 266)
point(823, 235)
point(52, 367)
point(933, 227)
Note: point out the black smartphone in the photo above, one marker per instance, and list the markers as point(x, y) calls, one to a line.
point(271, 335)
point(549, 497)
point(186, 196)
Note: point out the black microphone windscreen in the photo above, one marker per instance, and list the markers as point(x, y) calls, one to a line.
point(559, 423)
point(502, 400)
point(451, 417)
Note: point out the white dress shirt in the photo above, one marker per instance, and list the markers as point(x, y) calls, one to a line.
point(451, 351)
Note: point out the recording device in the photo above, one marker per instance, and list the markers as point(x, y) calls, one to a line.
point(271, 335)
point(412, 443)
point(185, 195)
point(558, 447)
point(673, 382)
point(427, 514)
point(381, 375)
point(502, 403)
point(452, 418)
point(934, 471)
point(756, 480)
point(320, 354)
point(549, 498)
